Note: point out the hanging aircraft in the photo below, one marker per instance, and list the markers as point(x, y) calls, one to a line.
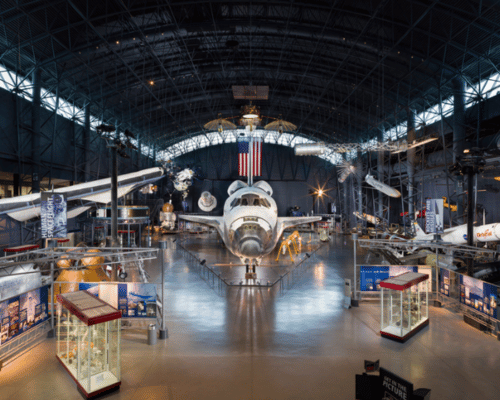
point(80, 197)
point(458, 234)
point(250, 226)
point(382, 187)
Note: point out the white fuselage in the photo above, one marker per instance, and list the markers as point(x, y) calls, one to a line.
point(250, 223)
point(458, 235)
point(388, 190)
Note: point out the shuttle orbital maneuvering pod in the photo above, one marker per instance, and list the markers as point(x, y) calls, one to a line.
point(386, 189)
point(250, 226)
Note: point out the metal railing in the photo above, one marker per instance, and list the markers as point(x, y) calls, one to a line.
point(221, 285)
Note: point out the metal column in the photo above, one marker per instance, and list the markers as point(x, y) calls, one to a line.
point(86, 143)
point(35, 125)
point(163, 329)
point(411, 136)
point(458, 138)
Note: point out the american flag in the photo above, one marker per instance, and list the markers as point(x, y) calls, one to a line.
point(243, 164)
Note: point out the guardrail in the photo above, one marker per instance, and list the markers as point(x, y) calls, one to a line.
point(221, 285)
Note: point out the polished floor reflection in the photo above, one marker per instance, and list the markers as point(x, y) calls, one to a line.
point(257, 343)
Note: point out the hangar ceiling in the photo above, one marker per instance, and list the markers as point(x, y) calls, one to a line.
point(339, 70)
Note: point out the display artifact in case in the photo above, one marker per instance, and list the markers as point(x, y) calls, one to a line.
point(405, 305)
point(88, 341)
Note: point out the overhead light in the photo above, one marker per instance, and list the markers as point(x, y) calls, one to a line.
point(497, 178)
point(466, 151)
point(320, 192)
point(151, 83)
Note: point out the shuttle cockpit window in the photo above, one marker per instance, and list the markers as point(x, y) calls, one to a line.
point(244, 202)
point(265, 203)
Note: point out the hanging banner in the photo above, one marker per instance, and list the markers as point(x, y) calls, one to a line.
point(54, 221)
point(434, 221)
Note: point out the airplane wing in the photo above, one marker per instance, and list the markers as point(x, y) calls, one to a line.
point(24, 208)
point(216, 222)
point(287, 222)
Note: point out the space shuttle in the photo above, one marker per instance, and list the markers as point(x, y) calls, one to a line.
point(458, 234)
point(80, 197)
point(250, 226)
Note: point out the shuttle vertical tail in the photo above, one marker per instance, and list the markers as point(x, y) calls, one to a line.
point(419, 233)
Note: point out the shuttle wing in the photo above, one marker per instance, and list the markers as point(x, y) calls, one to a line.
point(287, 222)
point(216, 222)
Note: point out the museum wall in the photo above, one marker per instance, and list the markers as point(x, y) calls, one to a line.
point(62, 149)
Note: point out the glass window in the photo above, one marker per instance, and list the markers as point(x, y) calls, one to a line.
point(244, 202)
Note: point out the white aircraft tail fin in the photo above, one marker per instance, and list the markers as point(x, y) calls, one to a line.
point(419, 233)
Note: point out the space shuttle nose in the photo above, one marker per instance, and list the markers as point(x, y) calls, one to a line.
point(251, 248)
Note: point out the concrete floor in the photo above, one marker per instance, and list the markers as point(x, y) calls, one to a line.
point(259, 344)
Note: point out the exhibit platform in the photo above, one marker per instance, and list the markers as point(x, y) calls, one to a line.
point(255, 344)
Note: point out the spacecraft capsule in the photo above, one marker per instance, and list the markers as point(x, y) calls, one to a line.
point(207, 202)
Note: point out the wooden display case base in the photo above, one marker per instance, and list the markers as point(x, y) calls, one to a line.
point(402, 339)
point(100, 392)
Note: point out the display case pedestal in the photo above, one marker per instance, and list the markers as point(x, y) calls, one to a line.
point(404, 305)
point(88, 342)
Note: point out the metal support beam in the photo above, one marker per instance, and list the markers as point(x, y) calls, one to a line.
point(17, 185)
point(114, 197)
point(458, 138)
point(86, 143)
point(411, 162)
point(35, 126)
point(470, 218)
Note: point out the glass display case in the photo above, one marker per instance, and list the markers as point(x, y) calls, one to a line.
point(88, 342)
point(404, 305)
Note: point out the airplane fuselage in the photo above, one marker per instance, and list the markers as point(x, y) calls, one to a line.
point(458, 235)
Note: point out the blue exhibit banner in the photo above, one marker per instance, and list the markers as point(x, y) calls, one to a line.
point(434, 217)
point(20, 313)
point(479, 295)
point(372, 275)
point(54, 219)
point(444, 282)
point(134, 300)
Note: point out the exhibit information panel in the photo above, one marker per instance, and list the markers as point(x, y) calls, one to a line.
point(134, 300)
point(20, 313)
point(372, 275)
point(395, 387)
point(88, 341)
point(404, 305)
point(444, 282)
point(479, 295)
